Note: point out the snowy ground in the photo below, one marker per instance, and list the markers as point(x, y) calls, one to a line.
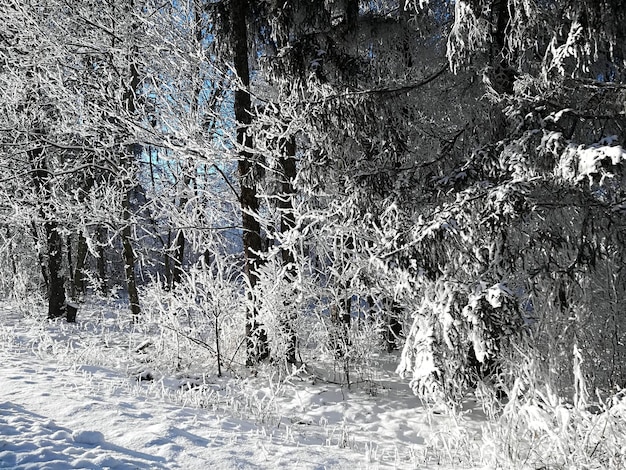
point(61, 408)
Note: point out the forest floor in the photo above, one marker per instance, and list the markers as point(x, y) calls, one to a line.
point(69, 398)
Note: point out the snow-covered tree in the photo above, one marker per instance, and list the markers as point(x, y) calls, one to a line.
point(520, 257)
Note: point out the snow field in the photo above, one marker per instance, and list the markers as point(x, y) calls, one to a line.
point(70, 398)
point(94, 395)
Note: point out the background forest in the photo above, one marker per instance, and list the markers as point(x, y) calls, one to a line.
point(303, 183)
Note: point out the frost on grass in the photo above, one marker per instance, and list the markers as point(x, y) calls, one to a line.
point(81, 380)
point(298, 420)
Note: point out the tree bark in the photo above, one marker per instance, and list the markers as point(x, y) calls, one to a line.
point(502, 24)
point(129, 256)
point(101, 234)
point(179, 242)
point(341, 311)
point(179, 256)
point(11, 253)
point(133, 150)
point(352, 15)
point(56, 292)
point(43, 264)
point(54, 242)
point(257, 347)
point(287, 165)
point(77, 266)
point(407, 47)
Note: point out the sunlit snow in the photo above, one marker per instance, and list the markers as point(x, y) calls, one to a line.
point(67, 400)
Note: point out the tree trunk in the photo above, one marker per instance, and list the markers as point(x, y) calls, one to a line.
point(179, 242)
point(129, 256)
point(56, 291)
point(167, 261)
point(11, 251)
point(78, 284)
point(54, 242)
point(501, 8)
point(101, 234)
point(341, 311)
point(133, 151)
point(352, 15)
point(257, 347)
point(70, 262)
point(287, 165)
point(340, 317)
point(126, 234)
point(43, 264)
point(393, 324)
point(179, 256)
point(407, 47)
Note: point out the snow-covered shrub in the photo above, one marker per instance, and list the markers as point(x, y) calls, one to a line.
point(458, 338)
point(279, 299)
point(199, 321)
point(537, 429)
point(20, 276)
point(296, 311)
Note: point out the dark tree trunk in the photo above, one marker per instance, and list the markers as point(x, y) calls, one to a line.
point(179, 242)
point(340, 335)
point(502, 10)
point(393, 324)
point(101, 234)
point(70, 262)
point(79, 268)
point(341, 311)
point(167, 261)
point(129, 256)
point(257, 347)
point(54, 242)
point(43, 264)
point(179, 256)
point(11, 251)
point(56, 291)
point(352, 15)
point(179, 246)
point(287, 165)
point(407, 47)
point(133, 151)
